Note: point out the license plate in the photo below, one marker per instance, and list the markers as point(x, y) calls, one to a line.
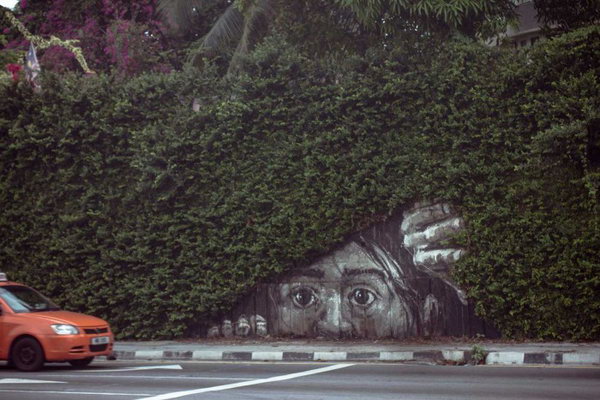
point(100, 340)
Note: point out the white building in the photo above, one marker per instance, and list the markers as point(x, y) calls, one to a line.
point(528, 30)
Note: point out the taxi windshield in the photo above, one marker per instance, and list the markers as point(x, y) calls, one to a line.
point(24, 300)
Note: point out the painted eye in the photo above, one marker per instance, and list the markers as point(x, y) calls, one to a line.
point(362, 297)
point(303, 297)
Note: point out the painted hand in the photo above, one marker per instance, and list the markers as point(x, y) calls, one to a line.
point(426, 227)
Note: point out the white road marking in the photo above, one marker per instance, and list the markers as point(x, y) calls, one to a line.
point(79, 393)
point(132, 368)
point(175, 395)
point(10, 380)
point(192, 378)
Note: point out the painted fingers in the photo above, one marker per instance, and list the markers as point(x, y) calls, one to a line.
point(426, 229)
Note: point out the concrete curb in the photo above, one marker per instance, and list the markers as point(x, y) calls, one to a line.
point(431, 356)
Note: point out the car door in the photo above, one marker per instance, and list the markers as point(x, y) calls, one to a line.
point(7, 324)
point(3, 344)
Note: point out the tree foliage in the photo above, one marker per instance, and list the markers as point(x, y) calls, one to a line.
point(466, 16)
point(564, 16)
point(132, 37)
point(325, 27)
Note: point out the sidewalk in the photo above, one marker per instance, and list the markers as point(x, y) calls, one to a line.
point(319, 350)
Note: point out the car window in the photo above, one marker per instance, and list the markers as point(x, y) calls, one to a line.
point(23, 299)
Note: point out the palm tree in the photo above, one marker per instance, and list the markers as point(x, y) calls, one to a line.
point(239, 27)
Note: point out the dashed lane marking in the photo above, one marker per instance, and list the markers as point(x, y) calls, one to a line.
point(177, 367)
point(75, 393)
point(27, 381)
point(173, 377)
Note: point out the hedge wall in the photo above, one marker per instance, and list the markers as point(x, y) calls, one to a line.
point(118, 200)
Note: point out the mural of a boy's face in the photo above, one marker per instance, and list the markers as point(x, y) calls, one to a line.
point(343, 294)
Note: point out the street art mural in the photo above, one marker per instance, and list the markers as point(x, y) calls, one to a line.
point(388, 281)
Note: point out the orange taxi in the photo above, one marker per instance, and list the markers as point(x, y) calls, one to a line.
point(34, 330)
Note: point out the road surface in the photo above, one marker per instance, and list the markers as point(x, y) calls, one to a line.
point(303, 381)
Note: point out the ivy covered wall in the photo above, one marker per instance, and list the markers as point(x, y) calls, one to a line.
point(118, 199)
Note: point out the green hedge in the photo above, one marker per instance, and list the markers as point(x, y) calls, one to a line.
point(118, 200)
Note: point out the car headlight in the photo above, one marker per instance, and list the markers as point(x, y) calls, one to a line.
point(62, 329)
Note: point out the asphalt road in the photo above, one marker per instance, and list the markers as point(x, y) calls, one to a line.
point(231, 381)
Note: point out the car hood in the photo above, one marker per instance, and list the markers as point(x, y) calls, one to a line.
point(68, 317)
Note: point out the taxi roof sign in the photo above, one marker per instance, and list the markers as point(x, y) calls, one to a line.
point(3, 277)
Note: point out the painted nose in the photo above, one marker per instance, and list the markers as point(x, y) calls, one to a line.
point(332, 321)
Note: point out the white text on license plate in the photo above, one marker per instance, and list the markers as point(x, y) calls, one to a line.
point(100, 340)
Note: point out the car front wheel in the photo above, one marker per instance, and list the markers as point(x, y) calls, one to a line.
point(27, 355)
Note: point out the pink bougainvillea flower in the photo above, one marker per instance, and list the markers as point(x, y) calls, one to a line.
point(14, 69)
point(114, 35)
